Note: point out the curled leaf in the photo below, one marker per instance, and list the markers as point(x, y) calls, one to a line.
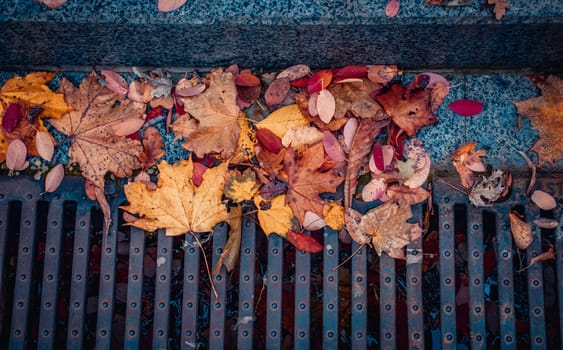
point(543, 200)
point(54, 178)
point(189, 87)
point(16, 155)
point(90, 189)
point(231, 250)
point(44, 144)
point(466, 108)
point(382, 74)
point(532, 166)
point(304, 242)
point(115, 82)
point(521, 230)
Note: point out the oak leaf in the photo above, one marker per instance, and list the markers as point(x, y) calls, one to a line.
point(546, 115)
point(410, 109)
point(306, 182)
point(94, 145)
point(177, 205)
point(388, 227)
point(214, 127)
point(274, 215)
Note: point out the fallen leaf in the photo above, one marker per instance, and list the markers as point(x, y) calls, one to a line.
point(320, 80)
point(354, 226)
point(177, 205)
point(388, 227)
point(214, 127)
point(350, 71)
point(521, 230)
point(104, 207)
point(54, 178)
point(152, 147)
point(466, 108)
point(277, 91)
point(349, 131)
point(333, 214)
point(490, 189)
point(295, 72)
point(332, 147)
point(198, 172)
point(436, 83)
point(274, 215)
point(326, 106)
point(392, 8)
point(128, 126)
point(382, 74)
point(500, 7)
point(52, 4)
point(11, 117)
point(94, 146)
point(407, 196)
point(422, 163)
point(301, 136)
point(306, 182)
point(246, 79)
point(374, 189)
point(383, 155)
point(304, 242)
point(269, 140)
point(115, 82)
point(44, 145)
point(16, 155)
point(270, 162)
point(302, 100)
point(283, 119)
point(355, 98)
point(543, 200)
point(170, 5)
point(240, 187)
point(410, 110)
point(313, 222)
point(546, 115)
point(231, 250)
point(90, 190)
point(466, 159)
point(244, 152)
point(546, 223)
point(532, 166)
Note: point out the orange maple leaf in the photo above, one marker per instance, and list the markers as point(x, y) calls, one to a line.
point(546, 115)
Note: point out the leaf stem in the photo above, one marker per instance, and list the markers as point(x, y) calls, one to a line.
point(350, 257)
point(211, 283)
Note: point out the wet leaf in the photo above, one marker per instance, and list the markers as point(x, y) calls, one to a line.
point(304, 242)
point(54, 178)
point(90, 190)
point(466, 108)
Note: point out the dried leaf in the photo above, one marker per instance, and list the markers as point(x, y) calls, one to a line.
point(349, 131)
point(16, 155)
point(333, 214)
point(214, 127)
point(45, 145)
point(177, 205)
point(410, 110)
point(152, 147)
point(465, 159)
point(240, 187)
point(295, 72)
point(350, 71)
point(326, 106)
point(355, 98)
point(115, 82)
point(301, 136)
point(490, 189)
point(312, 221)
point(532, 166)
point(407, 196)
point(416, 152)
point(543, 200)
point(521, 230)
point(382, 74)
point(500, 7)
point(374, 189)
point(466, 108)
point(128, 126)
point(170, 5)
point(388, 226)
point(269, 140)
point(302, 100)
point(94, 145)
point(90, 190)
point(306, 182)
point(392, 8)
point(546, 223)
point(304, 242)
point(54, 178)
point(274, 215)
point(354, 226)
point(283, 119)
point(319, 81)
point(245, 145)
point(277, 91)
point(105, 207)
point(52, 4)
point(546, 115)
point(231, 250)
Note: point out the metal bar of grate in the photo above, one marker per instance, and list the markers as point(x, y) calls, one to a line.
point(190, 293)
point(414, 289)
point(330, 289)
point(302, 302)
point(245, 324)
point(274, 295)
point(134, 289)
point(559, 262)
point(107, 284)
point(49, 293)
point(447, 270)
point(79, 277)
point(3, 241)
point(26, 257)
point(387, 303)
point(359, 298)
point(218, 305)
point(478, 332)
point(162, 291)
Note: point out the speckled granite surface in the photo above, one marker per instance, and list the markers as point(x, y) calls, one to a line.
point(275, 34)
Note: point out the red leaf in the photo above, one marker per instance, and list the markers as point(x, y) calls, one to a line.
point(246, 79)
point(378, 156)
point(11, 117)
point(269, 140)
point(466, 108)
point(320, 80)
point(392, 8)
point(396, 138)
point(301, 82)
point(197, 175)
point(277, 91)
point(351, 72)
point(304, 242)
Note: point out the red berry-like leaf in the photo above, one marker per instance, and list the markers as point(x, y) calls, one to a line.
point(466, 108)
point(301, 82)
point(246, 79)
point(304, 242)
point(11, 117)
point(351, 71)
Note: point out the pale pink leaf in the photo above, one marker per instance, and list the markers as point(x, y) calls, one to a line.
point(478, 167)
point(295, 72)
point(312, 105)
point(115, 82)
point(128, 217)
point(16, 155)
point(332, 147)
point(349, 131)
point(374, 190)
point(392, 8)
point(312, 221)
point(54, 178)
point(136, 91)
point(546, 223)
point(190, 91)
point(52, 4)
point(170, 5)
point(44, 144)
point(544, 200)
point(326, 106)
point(128, 126)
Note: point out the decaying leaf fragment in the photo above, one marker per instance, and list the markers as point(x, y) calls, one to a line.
point(152, 147)
point(231, 250)
point(274, 215)
point(177, 205)
point(388, 227)
point(490, 189)
point(521, 230)
point(500, 7)
point(467, 160)
point(239, 186)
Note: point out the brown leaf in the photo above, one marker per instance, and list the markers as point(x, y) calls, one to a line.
point(105, 207)
point(521, 230)
point(355, 98)
point(152, 147)
point(410, 109)
point(214, 127)
point(362, 142)
point(277, 91)
point(90, 190)
point(466, 158)
point(54, 178)
point(115, 82)
point(407, 196)
point(231, 250)
point(382, 74)
point(94, 144)
point(305, 181)
point(546, 115)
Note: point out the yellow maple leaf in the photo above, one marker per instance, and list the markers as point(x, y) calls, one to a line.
point(177, 205)
point(283, 119)
point(241, 186)
point(334, 215)
point(245, 146)
point(274, 215)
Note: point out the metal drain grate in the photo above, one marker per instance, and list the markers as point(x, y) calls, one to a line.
point(34, 231)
